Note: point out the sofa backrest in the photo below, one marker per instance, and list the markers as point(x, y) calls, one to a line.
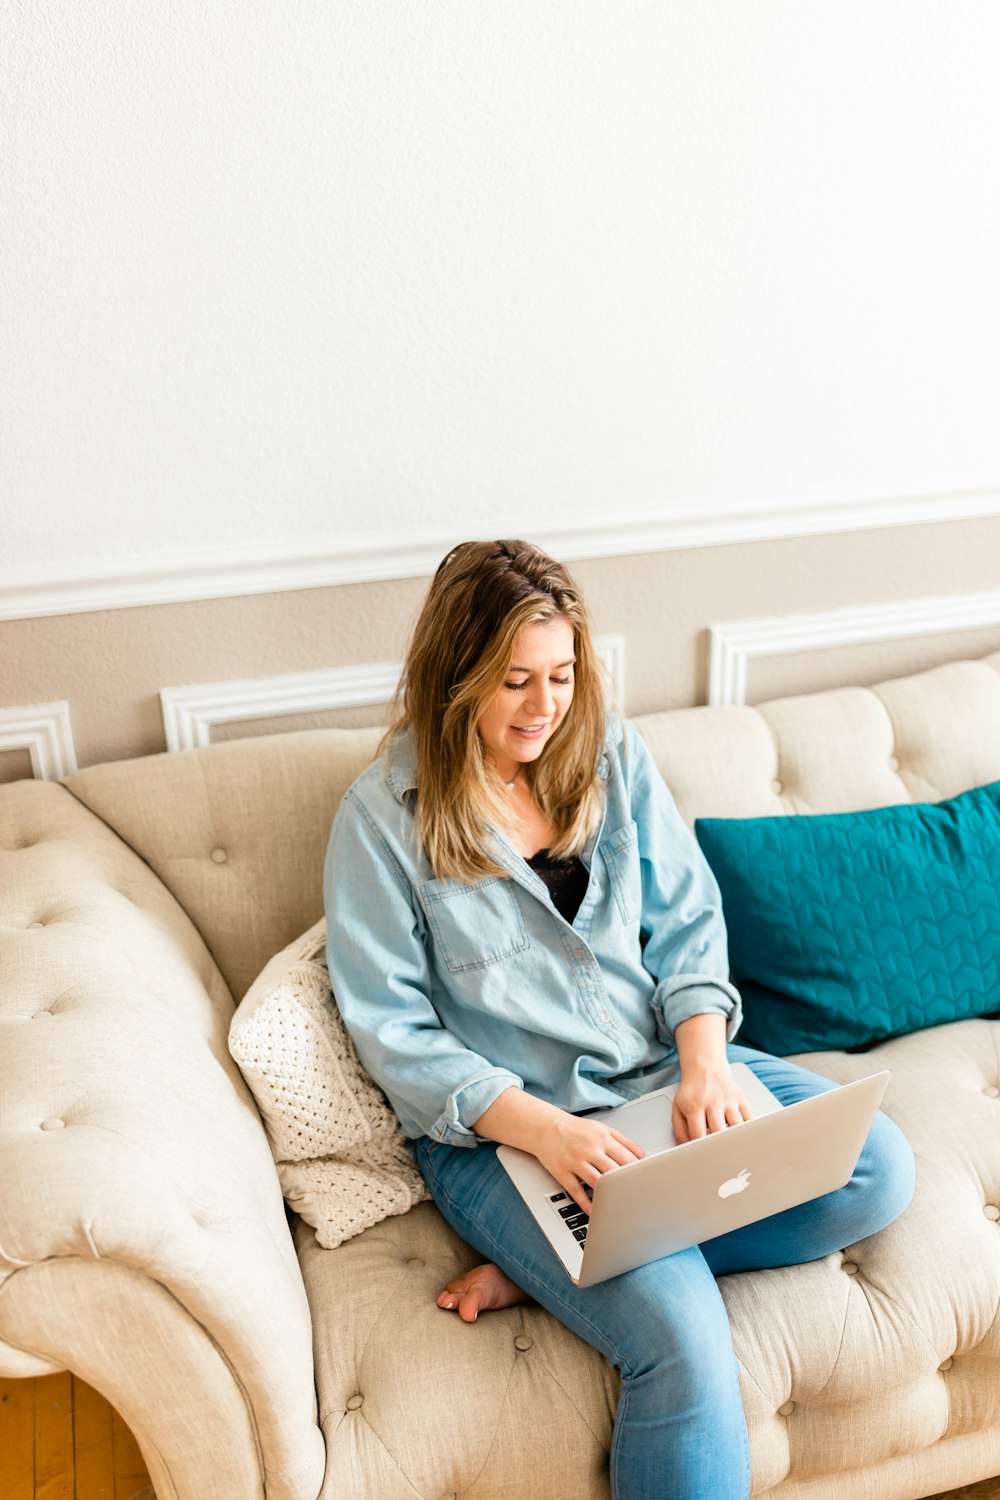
point(911, 739)
point(238, 831)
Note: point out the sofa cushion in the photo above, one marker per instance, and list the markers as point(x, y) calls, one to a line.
point(910, 739)
point(341, 1155)
point(236, 831)
point(849, 927)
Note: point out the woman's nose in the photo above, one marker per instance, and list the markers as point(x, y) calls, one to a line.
point(542, 700)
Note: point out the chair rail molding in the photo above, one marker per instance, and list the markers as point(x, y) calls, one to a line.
point(190, 713)
point(33, 589)
point(45, 731)
point(735, 643)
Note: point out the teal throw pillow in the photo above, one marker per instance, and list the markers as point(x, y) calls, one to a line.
point(845, 928)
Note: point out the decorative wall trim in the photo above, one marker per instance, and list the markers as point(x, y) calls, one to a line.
point(45, 731)
point(190, 713)
point(28, 592)
point(611, 652)
point(733, 645)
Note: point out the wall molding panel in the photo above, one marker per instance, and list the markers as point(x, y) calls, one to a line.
point(45, 731)
point(735, 644)
point(33, 591)
point(190, 713)
point(611, 654)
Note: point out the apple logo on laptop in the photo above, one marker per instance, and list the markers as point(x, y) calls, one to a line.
point(735, 1184)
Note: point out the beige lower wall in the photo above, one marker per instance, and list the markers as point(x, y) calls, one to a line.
point(111, 665)
point(14, 765)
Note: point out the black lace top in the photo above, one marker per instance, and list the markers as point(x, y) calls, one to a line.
point(566, 879)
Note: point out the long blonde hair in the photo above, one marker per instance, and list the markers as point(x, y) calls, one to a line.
point(460, 652)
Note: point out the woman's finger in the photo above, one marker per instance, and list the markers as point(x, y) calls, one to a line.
point(680, 1126)
point(620, 1154)
point(633, 1146)
point(574, 1187)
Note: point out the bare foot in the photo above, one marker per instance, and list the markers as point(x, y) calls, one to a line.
point(479, 1290)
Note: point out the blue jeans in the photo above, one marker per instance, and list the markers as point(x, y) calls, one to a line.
point(679, 1430)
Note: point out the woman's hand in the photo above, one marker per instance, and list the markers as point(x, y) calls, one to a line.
point(577, 1150)
point(707, 1100)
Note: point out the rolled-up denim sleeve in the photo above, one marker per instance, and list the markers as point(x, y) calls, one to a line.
point(685, 948)
point(382, 986)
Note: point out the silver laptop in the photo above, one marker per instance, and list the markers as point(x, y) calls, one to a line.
point(679, 1195)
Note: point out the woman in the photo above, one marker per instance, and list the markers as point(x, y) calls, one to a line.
point(522, 929)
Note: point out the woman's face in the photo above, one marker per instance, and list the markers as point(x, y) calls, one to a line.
point(534, 698)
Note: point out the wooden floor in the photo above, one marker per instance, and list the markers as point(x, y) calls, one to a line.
point(60, 1440)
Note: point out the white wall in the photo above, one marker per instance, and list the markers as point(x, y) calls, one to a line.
point(290, 276)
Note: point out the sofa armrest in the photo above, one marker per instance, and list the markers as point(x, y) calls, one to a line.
point(141, 1222)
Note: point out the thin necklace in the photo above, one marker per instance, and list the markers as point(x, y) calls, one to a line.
point(510, 785)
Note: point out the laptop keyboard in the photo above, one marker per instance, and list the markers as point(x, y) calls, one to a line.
point(571, 1214)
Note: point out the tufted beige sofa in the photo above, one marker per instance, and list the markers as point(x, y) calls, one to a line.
point(143, 1239)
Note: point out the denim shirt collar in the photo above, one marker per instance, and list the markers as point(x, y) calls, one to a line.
point(401, 765)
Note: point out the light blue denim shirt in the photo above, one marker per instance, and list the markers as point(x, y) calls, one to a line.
point(454, 992)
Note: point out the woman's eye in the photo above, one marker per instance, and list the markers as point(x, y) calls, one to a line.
point(518, 687)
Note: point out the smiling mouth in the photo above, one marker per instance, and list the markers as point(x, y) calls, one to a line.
point(529, 728)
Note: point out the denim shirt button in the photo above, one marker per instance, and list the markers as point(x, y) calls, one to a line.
point(580, 954)
point(605, 1017)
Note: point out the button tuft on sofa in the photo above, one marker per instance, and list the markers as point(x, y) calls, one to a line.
point(53, 1124)
point(893, 762)
point(219, 856)
point(946, 1364)
point(415, 1263)
point(991, 1091)
point(522, 1342)
point(787, 1409)
point(992, 1212)
point(353, 1402)
point(40, 1015)
point(35, 924)
point(850, 1267)
point(777, 786)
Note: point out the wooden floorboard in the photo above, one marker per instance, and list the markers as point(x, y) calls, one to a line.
point(54, 1478)
point(93, 1450)
point(17, 1439)
point(130, 1471)
point(61, 1440)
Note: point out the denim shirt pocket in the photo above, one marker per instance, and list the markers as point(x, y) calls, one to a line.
point(474, 926)
point(621, 858)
